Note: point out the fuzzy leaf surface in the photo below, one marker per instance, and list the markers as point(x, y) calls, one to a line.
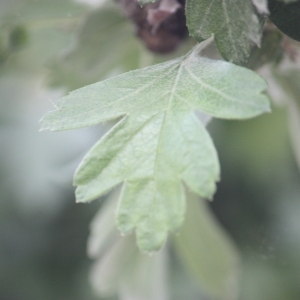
point(159, 143)
point(232, 22)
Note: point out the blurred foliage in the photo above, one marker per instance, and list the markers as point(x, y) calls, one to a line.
point(11, 39)
point(286, 16)
point(102, 34)
point(43, 233)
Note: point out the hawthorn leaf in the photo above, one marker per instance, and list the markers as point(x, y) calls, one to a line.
point(103, 231)
point(270, 51)
point(125, 271)
point(119, 267)
point(206, 251)
point(232, 22)
point(158, 143)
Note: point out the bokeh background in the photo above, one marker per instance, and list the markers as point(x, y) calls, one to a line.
point(49, 47)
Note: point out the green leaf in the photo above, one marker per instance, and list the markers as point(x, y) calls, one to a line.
point(232, 22)
point(270, 51)
point(206, 251)
point(91, 58)
point(125, 271)
point(287, 82)
point(103, 230)
point(119, 267)
point(286, 16)
point(159, 143)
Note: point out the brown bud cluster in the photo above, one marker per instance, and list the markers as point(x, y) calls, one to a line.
point(161, 25)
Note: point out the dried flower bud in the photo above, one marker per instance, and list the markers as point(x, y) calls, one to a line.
point(161, 25)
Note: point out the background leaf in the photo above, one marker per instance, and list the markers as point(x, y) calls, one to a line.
point(91, 57)
point(270, 51)
point(287, 93)
point(119, 267)
point(232, 22)
point(206, 251)
point(286, 16)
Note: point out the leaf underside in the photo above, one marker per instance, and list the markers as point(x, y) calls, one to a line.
point(232, 22)
point(159, 144)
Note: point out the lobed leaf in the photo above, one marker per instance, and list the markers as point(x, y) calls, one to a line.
point(232, 22)
point(159, 143)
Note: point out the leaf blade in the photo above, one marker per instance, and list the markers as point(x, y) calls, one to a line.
point(206, 251)
point(159, 144)
point(105, 100)
point(232, 22)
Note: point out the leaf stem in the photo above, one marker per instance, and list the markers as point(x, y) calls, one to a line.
point(201, 46)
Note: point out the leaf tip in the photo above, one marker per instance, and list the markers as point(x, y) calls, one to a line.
point(210, 199)
point(150, 242)
point(268, 110)
point(44, 125)
point(43, 128)
point(81, 196)
point(79, 201)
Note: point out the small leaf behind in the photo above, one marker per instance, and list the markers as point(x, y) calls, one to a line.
point(232, 22)
point(207, 252)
